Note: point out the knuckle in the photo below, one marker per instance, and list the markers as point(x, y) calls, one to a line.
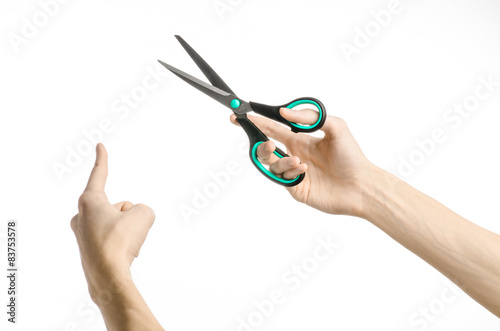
point(340, 123)
point(146, 210)
point(335, 124)
point(270, 128)
point(84, 199)
point(73, 222)
point(277, 167)
point(267, 127)
point(90, 198)
point(264, 159)
point(272, 168)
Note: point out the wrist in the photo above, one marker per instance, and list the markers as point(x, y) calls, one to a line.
point(107, 280)
point(376, 193)
point(120, 302)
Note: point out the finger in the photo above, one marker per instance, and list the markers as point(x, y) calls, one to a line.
point(301, 116)
point(123, 206)
point(269, 128)
point(283, 165)
point(265, 152)
point(143, 211)
point(97, 179)
point(232, 118)
point(291, 174)
point(73, 222)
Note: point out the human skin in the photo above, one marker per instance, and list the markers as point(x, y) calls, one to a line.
point(341, 180)
point(110, 238)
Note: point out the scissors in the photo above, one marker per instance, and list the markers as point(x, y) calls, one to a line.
point(222, 93)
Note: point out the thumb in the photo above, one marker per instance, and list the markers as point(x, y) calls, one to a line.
point(301, 116)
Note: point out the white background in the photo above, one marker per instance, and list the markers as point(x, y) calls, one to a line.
point(205, 274)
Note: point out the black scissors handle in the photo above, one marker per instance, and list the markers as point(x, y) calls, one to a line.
point(221, 92)
point(256, 138)
point(273, 112)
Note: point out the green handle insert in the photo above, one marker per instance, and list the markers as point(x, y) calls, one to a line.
point(267, 172)
point(305, 101)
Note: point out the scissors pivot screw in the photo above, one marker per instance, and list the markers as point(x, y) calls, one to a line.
point(235, 103)
point(219, 91)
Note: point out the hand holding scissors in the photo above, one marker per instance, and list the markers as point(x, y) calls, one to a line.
point(221, 92)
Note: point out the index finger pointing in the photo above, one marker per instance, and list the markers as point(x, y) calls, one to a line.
point(97, 179)
point(270, 128)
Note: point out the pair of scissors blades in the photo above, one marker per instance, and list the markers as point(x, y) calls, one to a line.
point(221, 92)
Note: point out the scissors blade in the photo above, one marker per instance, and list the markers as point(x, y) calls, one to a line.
point(211, 75)
point(216, 93)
